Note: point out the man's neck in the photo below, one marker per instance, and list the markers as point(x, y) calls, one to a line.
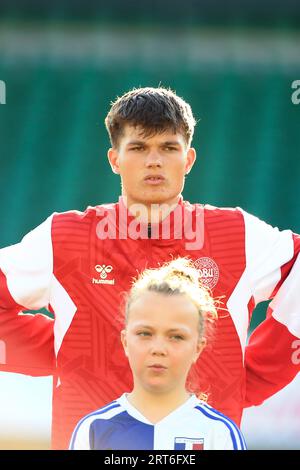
point(150, 213)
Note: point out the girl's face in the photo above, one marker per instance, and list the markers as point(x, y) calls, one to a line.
point(162, 341)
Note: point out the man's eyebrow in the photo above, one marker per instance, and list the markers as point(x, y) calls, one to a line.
point(141, 142)
point(171, 142)
point(136, 142)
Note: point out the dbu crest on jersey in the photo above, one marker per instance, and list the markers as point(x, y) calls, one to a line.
point(188, 443)
point(209, 271)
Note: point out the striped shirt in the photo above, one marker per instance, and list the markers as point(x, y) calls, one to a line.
point(192, 426)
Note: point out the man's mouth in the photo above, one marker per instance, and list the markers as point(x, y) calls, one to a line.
point(154, 179)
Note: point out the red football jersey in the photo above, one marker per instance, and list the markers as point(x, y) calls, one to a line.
point(79, 264)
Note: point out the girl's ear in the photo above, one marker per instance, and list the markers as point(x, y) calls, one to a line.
point(200, 346)
point(124, 341)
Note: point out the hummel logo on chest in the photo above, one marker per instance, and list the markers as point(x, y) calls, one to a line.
point(103, 271)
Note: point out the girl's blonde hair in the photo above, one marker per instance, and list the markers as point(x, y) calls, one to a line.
point(178, 276)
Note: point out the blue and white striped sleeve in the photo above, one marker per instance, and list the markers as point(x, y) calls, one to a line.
point(80, 439)
point(227, 435)
point(234, 439)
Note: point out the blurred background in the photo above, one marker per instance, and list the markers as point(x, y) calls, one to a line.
point(63, 62)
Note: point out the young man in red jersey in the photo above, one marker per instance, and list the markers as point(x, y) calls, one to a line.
point(78, 264)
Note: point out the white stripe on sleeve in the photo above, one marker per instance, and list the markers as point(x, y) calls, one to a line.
point(285, 305)
point(28, 267)
point(267, 250)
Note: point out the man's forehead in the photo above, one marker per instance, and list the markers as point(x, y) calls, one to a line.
point(138, 133)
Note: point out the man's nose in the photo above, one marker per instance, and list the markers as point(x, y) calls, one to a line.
point(153, 159)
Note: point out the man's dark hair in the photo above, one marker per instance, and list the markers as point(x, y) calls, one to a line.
point(155, 110)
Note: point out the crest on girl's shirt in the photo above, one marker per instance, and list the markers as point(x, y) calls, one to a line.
point(209, 271)
point(189, 443)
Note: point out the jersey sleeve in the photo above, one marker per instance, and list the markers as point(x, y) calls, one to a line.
point(80, 439)
point(27, 341)
point(273, 264)
point(26, 344)
point(234, 440)
point(26, 270)
point(272, 357)
point(270, 255)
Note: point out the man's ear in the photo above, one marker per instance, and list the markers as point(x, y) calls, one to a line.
point(124, 341)
point(113, 158)
point(190, 160)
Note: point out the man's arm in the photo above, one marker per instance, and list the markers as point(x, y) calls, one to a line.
point(26, 344)
point(26, 341)
point(273, 272)
point(272, 357)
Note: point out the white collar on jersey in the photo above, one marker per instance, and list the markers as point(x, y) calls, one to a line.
point(132, 411)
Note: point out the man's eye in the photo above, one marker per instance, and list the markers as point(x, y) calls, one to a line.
point(137, 148)
point(170, 149)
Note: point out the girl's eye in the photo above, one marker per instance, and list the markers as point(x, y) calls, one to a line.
point(177, 337)
point(144, 333)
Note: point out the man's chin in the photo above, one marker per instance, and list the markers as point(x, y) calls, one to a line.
point(158, 197)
